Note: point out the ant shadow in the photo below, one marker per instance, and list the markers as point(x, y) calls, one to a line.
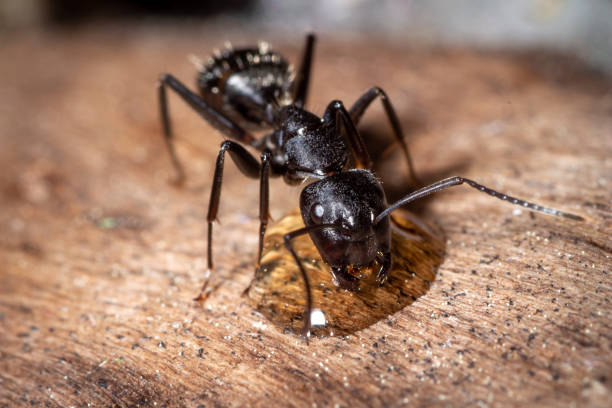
point(278, 290)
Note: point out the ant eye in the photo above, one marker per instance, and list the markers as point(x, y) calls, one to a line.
point(316, 213)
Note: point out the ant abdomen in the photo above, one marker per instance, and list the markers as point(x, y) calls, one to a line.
point(244, 83)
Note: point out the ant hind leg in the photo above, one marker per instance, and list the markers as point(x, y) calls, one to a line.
point(216, 119)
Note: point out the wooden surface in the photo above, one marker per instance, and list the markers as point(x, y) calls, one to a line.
point(100, 257)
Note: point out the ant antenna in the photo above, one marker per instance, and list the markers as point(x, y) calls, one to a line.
point(287, 238)
point(455, 181)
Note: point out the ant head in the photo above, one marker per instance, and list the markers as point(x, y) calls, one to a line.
point(349, 202)
point(310, 147)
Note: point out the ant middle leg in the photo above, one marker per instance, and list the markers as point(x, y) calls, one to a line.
point(302, 79)
point(216, 119)
point(359, 108)
point(337, 113)
point(250, 167)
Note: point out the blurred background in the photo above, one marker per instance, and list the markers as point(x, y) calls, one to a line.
point(581, 28)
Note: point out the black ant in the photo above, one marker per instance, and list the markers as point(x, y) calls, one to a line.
point(256, 89)
point(345, 211)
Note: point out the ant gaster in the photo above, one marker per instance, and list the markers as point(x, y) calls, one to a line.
point(345, 211)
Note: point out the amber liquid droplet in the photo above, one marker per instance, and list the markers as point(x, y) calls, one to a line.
point(278, 290)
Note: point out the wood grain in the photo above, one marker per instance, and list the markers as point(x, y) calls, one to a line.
point(100, 257)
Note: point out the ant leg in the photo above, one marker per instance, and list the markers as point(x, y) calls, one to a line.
point(337, 112)
point(163, 106)
point(302, 79)
point(214, 117)
point(384, 257)
point(359, 109)
point(250, 167)
point(455, 181)
point(264, 201)
point(287, 238)
point(264, 209)
point(308, 310)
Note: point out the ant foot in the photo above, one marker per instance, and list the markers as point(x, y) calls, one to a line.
point(205, 291)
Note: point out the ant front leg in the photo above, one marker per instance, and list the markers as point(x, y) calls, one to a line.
point(250, 167)
point(359, 109)
point(264, 210)
point(211, 115)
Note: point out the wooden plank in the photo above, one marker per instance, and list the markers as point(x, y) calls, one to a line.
point(101, 257)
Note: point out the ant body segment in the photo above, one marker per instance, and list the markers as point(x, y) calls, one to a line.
point(345, 211)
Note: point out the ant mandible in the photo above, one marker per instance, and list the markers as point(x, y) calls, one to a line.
point(345, 211)
point(256, 89)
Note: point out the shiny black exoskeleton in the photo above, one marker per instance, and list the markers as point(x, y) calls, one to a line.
point(350, 201)
point(345, 211)
point(256, 89)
